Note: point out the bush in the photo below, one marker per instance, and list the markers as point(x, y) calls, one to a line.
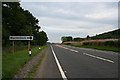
point(111, 43)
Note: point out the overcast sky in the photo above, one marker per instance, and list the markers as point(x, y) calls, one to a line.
point(77, 19)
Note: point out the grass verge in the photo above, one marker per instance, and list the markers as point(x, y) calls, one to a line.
point(105, 48)
point(32, 73)
point(12, 62)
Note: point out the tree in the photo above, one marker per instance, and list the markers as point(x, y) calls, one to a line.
point(88, 36)
point(19, 22)
point(66, 38)
point(41, 38)
point(78, 39)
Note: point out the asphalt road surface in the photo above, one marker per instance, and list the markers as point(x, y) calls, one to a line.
point(70, 62)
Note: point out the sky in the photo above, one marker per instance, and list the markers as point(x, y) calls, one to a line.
point(76, 19)
point(67, 0)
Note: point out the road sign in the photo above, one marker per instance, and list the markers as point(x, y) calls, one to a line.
point(13, 38)
point(20, 37)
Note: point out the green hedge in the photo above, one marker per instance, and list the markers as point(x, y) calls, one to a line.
point(107, 43)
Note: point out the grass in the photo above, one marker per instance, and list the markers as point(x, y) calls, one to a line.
point(12, 62)
point(105, 48)
point(32, 73)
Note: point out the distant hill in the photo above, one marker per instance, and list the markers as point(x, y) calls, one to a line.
point(108, 35)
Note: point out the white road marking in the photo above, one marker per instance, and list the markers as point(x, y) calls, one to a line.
point(59, 66)
point(87, 54)
point(99, 58)
point(73, 50)
point(66, 48)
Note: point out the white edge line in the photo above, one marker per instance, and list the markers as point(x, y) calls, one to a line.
point(59, 66)
point(99, 58)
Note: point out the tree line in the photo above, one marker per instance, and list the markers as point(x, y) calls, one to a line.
point(70, 38)
point(19, 22)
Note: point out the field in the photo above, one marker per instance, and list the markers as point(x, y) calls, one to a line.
point(108, 45)
point(105, 48)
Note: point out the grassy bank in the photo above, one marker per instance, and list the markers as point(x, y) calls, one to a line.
point(12, 62)
point(105, 48)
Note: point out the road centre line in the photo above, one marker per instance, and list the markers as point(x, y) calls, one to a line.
point(73, 50)
point(58, 64)
point(66, 48)
point(99, 58)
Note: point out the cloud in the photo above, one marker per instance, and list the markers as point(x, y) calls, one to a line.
point(74, 18)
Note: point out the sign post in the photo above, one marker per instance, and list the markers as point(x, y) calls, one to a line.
point(13, 46)
point(28, 38)
point(28, 45)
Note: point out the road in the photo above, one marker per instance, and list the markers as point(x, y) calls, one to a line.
point(67, 62)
